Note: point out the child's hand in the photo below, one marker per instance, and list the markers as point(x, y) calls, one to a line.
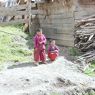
point(35, 49)
point(56, 50)
point(40, 43)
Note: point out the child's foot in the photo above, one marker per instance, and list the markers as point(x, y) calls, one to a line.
point(36, 63)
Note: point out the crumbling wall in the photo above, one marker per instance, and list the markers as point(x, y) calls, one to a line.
point(57, 21)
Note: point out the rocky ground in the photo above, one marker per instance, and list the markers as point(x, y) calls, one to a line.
point(61, 77)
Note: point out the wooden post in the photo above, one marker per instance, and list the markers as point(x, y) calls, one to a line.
point(29, 10)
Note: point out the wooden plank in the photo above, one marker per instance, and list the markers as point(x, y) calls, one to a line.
point(87, 2)
point(57, 11)
point(16, 13)
point(80, 9)
point(29, 9)
point(13, 13)
point(61, 11)
point(81, 13)
point(58, 32)
point(14, 22)
point(60, 37)
point(34, 12)
point(14, 8)
point(64, 15)
point(61, 31)
point(66, 31)
point(61, 16)
point(65, 43)
point(61, 26)
point(57, 21)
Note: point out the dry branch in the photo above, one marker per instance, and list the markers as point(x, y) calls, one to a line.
point(85, 34)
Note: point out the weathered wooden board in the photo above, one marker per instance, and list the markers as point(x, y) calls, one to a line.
point(83, 11)
point(13, 13)
point(59, 31)
point(55, 8)
point(65, 42)
point(61, 16)
point(14, 8)
point(49, 20)
point(83, 14)
point(14, 22)
point(86, 2)
point(60, 26)
point(63, 38)
point(68, 13)
point(60, 36)
point(83, 8)
point(34, 12)
point(66, 31)
point(57, 21)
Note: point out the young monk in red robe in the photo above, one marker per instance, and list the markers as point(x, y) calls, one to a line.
point(39, 47)
point(53, 50)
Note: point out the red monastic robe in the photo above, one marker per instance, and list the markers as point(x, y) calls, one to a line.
point(53, 52)
point(39, 48)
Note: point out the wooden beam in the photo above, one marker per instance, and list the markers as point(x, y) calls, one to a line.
point(14, 8)
point(29, 13)
point(60, 37)
point(62, 31)
point(65, 43)
point(14, 22)
point(13, 13)
point(34, 12)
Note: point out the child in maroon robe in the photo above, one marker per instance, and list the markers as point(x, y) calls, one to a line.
point(39, 47)
point(53, 50)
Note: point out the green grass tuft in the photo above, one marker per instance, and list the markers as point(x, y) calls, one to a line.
point(74, 52)
point(91, 69)
point(14, 45)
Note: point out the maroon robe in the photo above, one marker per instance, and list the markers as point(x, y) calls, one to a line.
point(53, 52)
point(39, 48)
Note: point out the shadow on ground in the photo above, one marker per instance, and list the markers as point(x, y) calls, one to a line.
point(27, 64)
point(21, 65)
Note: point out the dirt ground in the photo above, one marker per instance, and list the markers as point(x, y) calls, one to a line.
point(59, 78)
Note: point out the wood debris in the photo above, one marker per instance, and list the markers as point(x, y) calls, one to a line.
point(85, 34)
